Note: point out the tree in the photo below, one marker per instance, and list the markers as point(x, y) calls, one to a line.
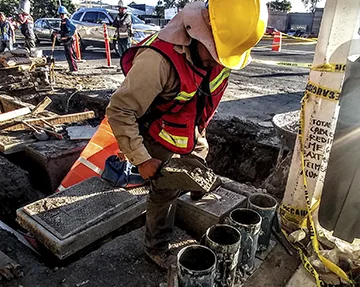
point(277, 5)
point(9, 7)
point(39, 8)
point(310, 4)
point(48, 8)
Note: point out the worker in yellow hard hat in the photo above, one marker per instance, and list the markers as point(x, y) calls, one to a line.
point(174, 82)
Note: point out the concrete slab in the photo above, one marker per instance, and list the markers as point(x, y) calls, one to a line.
point(197, 216)
point(107, 210)
point(301, 278)
point(240, 188)
point(69, 212)
point(81, 132)
point(49, 162)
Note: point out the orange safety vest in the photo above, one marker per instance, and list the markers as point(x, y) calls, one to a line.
point(173, 123)
point(103, 144)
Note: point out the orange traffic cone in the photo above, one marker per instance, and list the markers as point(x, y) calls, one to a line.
point(276, 46)
point(77, 47)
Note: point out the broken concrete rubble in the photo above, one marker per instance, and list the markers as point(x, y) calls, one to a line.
point(9, 269)
point(20, 72)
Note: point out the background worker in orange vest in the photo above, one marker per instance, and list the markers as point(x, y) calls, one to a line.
point(174, 82)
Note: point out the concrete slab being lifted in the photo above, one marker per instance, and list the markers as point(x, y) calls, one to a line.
point(72, 219)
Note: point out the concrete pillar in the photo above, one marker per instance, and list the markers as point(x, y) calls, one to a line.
point(339, 28)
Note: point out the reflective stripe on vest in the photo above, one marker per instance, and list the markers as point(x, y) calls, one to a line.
point(150, 40)
point(177, 141)
point(214, 84)
point(224, 74)
point(61, 188)
point(90, 165)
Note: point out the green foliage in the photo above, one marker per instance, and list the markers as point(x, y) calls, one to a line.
point(9, 7)
point(39, 8)
point(310, 4)
point(277, 5)
point(165, 4)
point(48, 8)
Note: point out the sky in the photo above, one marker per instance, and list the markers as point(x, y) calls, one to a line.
point(297, 5)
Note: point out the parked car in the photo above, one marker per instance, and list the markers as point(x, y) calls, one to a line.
point(295, 33)
point(270, 30)
point(89, 23)
point(46, 29)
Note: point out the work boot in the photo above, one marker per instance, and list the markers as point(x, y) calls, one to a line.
point(163, 260)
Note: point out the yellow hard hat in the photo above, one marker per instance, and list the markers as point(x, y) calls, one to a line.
point(237, 26)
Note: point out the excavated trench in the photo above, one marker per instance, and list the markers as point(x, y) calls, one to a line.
point(239, 149)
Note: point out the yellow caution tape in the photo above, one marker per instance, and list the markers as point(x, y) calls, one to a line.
point(287, 44)
point(286, 64)
point(299, 38)
point(321, 91)
point(331, 68)
point(316, 90)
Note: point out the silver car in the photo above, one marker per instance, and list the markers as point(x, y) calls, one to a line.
point(46, 29)
point(89, 24)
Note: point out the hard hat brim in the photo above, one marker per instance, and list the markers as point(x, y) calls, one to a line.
point(234, 39)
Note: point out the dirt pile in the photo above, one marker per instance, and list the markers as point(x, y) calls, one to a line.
point(15, 190)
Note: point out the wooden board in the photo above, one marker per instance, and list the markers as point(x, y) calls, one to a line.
point(54, 120)
point(14, 114)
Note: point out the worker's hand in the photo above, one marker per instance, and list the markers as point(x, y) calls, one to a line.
point(149, 168)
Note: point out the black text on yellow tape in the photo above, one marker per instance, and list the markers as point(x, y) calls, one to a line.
point(331, 68)
point(322, 92)
point(290, 210)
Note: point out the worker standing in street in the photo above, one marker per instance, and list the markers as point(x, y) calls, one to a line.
point(6, 34)
point(67, 33)
point(123, 25)
point(174, 82)
point(27, 28)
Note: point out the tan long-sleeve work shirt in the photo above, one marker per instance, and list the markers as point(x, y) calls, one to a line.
point(150, 76)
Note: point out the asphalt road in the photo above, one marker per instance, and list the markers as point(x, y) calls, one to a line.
point(292, 51)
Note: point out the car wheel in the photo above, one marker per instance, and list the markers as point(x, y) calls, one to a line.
point(82, 45)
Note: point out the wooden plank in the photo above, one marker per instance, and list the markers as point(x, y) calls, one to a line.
point(14, 114)
point(41, 106)
point(54, 120)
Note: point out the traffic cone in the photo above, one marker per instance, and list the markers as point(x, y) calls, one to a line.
point(77, 49)
point(276, 45)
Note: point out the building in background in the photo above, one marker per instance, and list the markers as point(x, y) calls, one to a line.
point(308, 23)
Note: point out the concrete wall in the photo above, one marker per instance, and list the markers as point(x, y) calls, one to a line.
point(302, 21)
point(317, 20)
point(278, 20)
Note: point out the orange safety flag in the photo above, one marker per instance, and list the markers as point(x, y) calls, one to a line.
point(92, 159)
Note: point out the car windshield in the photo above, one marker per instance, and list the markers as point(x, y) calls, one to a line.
point(54, 23)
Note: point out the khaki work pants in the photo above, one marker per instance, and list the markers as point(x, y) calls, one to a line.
point(161, 203)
